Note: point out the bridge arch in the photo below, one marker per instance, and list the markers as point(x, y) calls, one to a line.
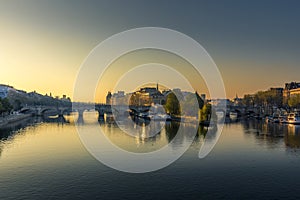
point(26, 110)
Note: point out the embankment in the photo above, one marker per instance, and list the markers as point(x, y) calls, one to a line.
point(4, 121)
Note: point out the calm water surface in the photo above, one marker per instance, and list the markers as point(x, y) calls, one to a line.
point(252, 160)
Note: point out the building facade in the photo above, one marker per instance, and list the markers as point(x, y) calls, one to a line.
point(147, 96)
point(290, 89)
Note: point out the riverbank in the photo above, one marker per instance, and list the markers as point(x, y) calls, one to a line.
point(188, 119)
point(4, 121)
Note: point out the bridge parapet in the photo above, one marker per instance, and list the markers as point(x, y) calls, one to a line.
point(40, 110)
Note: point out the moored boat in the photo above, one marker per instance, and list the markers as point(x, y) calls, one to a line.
point(161, 117)
point(283, 119)
point(275, 118)
point(268, 119)
point(233, 115)
point(293, 118)
point(143, 116)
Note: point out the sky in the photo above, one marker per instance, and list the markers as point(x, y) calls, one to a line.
point(255, 44)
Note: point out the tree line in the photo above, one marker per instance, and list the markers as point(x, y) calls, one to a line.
point(15, 101)
point(271, 98)
point(5, 106)
point(191, 105)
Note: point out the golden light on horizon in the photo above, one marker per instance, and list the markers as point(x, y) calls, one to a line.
point(128, 72)
point(50, 63)
point(37, 60)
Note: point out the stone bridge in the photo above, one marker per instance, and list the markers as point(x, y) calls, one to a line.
point(41, 110)
point(81, 107)
point(244, 110)
point(119, 109)
point(241, 110)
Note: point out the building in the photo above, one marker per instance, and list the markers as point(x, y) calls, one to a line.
point(177, 91)
point(292, 88)
point(65, 98)
point(140, 99)
point(277, 91)
point(294, 91)
point(220, 102)
point(108, 98)
point(146, 96)
point(237, 101)
point(292, 85)
point(118, 98)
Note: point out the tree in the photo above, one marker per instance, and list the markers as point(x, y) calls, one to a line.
point(5, 105)
point(192, 104)
point(172, 104)
point(248, 100)
point(205, 113)
point(264, 98)
point(1, 106)
point(17, 104)
point(200, 100)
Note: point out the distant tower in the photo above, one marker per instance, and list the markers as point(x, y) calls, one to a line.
point(108, 98)
point(157, 86)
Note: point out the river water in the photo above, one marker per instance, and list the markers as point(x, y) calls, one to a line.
point(45, 159)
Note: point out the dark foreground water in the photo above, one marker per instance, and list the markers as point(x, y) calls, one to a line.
point(252, 160)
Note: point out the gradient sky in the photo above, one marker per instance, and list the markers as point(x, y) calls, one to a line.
point(255, 44)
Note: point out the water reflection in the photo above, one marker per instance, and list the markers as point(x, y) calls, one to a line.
point(40, 157)
point(292, 138)
point(80, 120)
point(8, 132)
point(171, 130)
point(273, 133)
point(142, 133)
point(56, 119)
point(264, 129)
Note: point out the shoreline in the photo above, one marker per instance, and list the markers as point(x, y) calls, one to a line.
point(5, 121)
